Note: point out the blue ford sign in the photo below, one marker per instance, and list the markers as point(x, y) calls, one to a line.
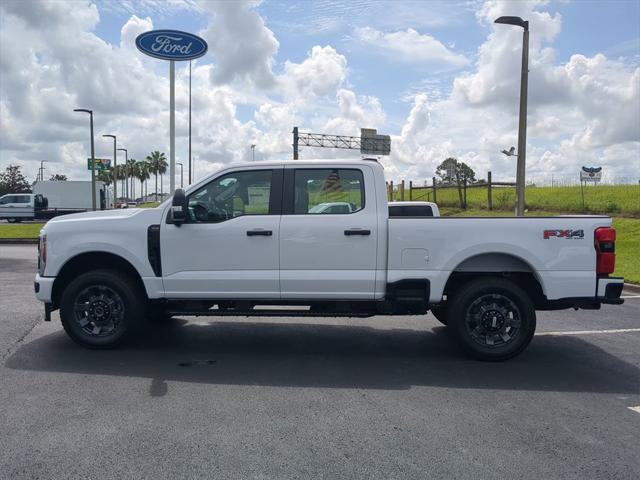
point(171, 45)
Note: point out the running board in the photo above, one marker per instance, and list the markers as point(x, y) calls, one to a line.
point(267, 313)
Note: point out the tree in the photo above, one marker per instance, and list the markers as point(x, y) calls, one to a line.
point(130, 172)
point(105, 176)
point(12, 181)
point(158, 165)
point(58, 177)
point(452, 171)
point(142, 173)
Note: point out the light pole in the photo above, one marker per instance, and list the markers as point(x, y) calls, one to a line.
point(93, 157)
point(522, 124)
point(253, 152)
point(181, 176)
point(126, 171)
point(115, 171)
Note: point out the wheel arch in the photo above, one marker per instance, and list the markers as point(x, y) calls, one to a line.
point(501, 265)
point(88, 261)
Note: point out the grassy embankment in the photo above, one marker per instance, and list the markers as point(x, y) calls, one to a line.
point(619, 200)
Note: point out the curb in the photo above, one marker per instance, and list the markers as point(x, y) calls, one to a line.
point(18, 241)
point(630, 287)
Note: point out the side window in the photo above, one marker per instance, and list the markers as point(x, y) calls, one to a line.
point(22, 199)
point(328, 191)
point(7, 199)
point(232, 195)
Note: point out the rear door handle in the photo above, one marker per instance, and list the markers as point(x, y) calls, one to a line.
point(255, 233)
point(357, 231)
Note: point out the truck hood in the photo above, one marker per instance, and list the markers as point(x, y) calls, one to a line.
point(104, 217)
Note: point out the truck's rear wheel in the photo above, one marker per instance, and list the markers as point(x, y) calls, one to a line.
point(493, 318)
point(101, 308)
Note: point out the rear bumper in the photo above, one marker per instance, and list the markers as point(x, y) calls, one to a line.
point(43, 287)
point(610, 290)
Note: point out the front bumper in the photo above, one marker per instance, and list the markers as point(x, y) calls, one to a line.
point(44, 287)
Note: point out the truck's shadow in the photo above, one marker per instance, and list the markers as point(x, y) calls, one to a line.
point(312, 355)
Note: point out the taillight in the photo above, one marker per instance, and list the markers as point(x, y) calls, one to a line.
point(605, 243)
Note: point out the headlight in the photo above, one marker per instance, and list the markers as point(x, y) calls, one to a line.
point(42, 254)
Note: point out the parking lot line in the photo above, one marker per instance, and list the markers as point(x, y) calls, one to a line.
point(588, 332)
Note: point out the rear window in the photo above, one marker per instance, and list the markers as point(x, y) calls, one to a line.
point(328, 191)
point(410, 211)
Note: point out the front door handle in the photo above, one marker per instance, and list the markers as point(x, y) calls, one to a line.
point(357, 231)
point(255, 233)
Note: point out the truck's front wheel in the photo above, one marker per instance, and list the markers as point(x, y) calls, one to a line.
point(99, 309)
point(493, 318)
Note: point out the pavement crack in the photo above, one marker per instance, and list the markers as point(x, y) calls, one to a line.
point(21, 339)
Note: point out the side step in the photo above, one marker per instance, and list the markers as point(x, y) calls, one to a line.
point(267, 313)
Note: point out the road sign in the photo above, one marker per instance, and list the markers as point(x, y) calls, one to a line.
point(101, 163)
point(591, 174)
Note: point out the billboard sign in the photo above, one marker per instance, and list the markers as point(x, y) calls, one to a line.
point(101, 164)
point(171, 45)
point(373, 144)
point(591, 174)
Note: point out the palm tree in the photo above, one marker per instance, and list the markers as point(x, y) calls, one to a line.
point(120, 174)
point(142, 174)
point(131, 173)
point(158, 163)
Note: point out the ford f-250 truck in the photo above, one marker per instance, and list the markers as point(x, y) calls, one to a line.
point(249, 237)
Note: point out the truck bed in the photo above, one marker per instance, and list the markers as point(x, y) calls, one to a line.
point(563, 258)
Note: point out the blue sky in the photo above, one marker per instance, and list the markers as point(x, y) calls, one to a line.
point(438, 76)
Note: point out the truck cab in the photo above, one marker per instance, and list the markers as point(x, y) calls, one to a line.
point(264, 235)
point(16, 207)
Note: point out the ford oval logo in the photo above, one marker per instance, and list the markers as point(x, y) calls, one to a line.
point(171, 45)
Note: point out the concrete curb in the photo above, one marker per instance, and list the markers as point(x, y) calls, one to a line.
point(18, 241)
point(630, 287)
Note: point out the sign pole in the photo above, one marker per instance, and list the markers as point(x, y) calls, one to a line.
point(172, 127)
point(93, 168)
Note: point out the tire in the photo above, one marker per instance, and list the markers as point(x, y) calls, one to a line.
point(11, 220)
point(493, 318)
point(102, 308)
point(441, 314)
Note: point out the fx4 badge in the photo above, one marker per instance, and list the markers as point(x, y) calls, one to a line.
point(568, 234)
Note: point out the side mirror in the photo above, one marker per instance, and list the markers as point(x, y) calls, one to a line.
point(179, 208)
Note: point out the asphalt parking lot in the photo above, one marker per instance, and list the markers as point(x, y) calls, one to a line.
point(387, 397)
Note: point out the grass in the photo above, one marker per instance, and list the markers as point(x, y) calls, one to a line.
point(610, 199)
point(148, 205)
point(627, 241)
point(20, 230)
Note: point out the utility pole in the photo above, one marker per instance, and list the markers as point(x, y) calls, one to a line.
point(295, 143)
point(189, 124)
point(93, 157)
point(522, 123)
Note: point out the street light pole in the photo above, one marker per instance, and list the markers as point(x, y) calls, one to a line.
point(126, 170)
point(181, 176)
point(93, 157)
point(522, 123)
point(115, 171)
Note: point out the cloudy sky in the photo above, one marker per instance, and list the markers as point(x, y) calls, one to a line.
point(438, 76)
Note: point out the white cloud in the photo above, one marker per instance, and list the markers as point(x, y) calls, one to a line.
point(409, 46)
point(320, 74)
point(240, 43)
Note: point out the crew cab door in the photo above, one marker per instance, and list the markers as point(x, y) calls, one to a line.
point(228, 247)
point(327, 250)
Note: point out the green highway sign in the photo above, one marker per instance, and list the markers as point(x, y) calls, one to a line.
point(101, 163)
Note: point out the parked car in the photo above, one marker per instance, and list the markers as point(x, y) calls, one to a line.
point(251, 235)
point(413, 209)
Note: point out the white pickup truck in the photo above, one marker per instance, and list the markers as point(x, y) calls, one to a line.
point(248, 240)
